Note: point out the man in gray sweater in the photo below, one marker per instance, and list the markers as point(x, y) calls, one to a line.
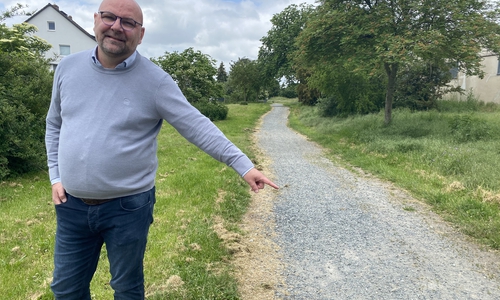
point(108, 105)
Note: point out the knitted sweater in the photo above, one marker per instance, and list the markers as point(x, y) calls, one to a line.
point(102, 126)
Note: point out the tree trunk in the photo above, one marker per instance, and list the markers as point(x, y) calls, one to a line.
point(391, 70)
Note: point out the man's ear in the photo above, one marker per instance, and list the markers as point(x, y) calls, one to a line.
point(143, 30)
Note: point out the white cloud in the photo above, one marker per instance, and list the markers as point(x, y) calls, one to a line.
point(225, 30)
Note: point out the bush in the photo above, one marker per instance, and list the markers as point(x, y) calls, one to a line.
point(289, 92)
point(307, 95)
point(22, 146)
point(421, 85)
point(213, 110)
point(345, 93)
point(25, 89)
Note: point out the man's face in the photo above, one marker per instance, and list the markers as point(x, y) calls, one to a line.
point(113, 41)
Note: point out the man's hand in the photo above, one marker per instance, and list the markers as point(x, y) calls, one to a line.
point(58, 193)
point(257, 180)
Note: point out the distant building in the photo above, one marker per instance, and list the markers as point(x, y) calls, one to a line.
point(486, 89)
point(59, 30)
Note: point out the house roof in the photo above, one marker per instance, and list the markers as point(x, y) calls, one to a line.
point(66, 16)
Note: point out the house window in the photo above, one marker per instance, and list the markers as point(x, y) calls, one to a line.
point(498, 67)
point(52, 25)
point(64, 50)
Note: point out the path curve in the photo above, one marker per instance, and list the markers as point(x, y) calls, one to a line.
point(343, 235)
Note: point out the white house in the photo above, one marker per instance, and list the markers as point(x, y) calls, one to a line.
point(59, 30)
point(486, 89)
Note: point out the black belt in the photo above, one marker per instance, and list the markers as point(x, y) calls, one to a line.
point(95, 201)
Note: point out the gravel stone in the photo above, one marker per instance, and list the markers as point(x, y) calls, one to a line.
point(345, 235)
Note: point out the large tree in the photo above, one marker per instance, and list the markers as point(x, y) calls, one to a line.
point(245, 79)
point(366, 36)
point(194, 72)
point(279, 43)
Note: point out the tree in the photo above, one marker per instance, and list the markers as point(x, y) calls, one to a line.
point(245, 79)
point(365, 36)
point(17, 10)
point(221, 73)
point(194, 72)
point(279, 42)
point(25, 89)
point(277, 48)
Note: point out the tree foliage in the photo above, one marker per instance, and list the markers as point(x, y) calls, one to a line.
point(279, 43)
point(366, 36)
point(25, 89)
point(277, 49)
point(221, 73)
point(420, 85)
point(347, 93)
point(245, 80)
point(194, 72)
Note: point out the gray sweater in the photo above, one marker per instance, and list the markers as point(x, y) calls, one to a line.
point(102, 126)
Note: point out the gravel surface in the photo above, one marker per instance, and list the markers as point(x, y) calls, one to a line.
point(346, 235)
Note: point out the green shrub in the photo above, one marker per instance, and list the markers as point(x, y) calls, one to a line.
point(421, 85)
point(21, 140)
point(289, 91)
point(25, 89)
point(211, 109)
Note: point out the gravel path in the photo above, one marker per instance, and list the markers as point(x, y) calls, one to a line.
point(345, 235)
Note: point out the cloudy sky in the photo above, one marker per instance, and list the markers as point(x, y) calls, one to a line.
point(224, 29)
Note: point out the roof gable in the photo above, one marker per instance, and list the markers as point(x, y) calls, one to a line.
point(62, 13)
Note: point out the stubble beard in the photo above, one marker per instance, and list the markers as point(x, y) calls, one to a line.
point(112, 47)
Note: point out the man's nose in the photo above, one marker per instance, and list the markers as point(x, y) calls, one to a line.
point(117, 25)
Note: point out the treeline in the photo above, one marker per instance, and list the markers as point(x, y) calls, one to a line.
point(354, 57)
point(345, 57)
point(361, 56)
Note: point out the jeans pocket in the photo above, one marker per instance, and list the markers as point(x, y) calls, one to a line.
point(135, 202)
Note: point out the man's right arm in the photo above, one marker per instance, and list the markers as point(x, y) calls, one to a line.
point(52, 133)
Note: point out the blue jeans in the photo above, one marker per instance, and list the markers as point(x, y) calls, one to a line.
point(121, 224)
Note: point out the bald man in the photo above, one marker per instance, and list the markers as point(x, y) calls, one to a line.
point(107, 108)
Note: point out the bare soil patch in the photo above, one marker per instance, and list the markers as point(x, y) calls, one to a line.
point(258, 268)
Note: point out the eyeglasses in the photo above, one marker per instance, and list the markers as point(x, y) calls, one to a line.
point(109, 19)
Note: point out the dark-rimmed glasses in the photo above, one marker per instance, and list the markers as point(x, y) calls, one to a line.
point(109, 19)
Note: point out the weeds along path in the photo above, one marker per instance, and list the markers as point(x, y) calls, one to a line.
point(346, 235)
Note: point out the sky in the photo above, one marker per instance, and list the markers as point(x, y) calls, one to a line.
point(226, 30)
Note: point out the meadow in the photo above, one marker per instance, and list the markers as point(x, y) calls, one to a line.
point(185, 257)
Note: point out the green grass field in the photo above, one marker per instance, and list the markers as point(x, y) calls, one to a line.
point(448, 158)
point(185, 258)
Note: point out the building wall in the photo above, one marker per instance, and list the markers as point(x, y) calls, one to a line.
point(486, 89)
point(65, 33)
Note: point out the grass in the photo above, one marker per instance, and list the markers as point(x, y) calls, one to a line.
point(185, 258)
point(448, 157)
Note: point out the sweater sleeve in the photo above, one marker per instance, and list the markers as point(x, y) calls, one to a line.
point(52, 131)
point(198, 129)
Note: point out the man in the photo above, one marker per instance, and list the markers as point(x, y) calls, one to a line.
point(107, 108)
